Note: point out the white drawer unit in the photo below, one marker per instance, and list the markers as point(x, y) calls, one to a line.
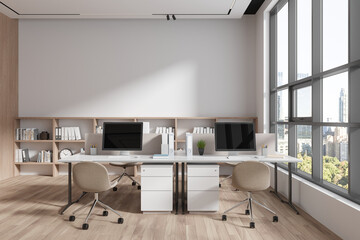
point(203, 170)
point(157, 187)
point(207, 201)
point(202, 187)
point(156, 201)
point(203, 183)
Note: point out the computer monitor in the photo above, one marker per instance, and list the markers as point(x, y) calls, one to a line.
point(122, 136)
point(235, 136)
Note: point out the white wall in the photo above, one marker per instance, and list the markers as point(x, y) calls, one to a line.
point(338, 214)
point(137, 67)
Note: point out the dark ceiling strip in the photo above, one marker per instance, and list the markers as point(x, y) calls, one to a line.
point(254, 6)
point(198, 14)
point(36, 14)
point(188, 14)
point(9, 8)
point(52, 14)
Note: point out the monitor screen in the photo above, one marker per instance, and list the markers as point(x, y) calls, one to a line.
point(235, 137)
point(125, 136)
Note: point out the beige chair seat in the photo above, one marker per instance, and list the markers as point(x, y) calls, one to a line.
point(92, 177)
point(125, 165)
point(121, 164)
point(251, 177)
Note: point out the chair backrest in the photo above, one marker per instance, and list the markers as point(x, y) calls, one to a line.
point(251, 176)
point(91, 177)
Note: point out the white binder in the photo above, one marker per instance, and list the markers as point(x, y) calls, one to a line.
point(189, 145)
point(171, 144)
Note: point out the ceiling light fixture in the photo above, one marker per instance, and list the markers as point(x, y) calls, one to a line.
point(168, 17)
point(173, 16)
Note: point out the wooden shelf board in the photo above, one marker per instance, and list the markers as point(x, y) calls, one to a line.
point(70, 141)
point(32, 163)
point(33, 141)
point(34, 118)
point(180, 140)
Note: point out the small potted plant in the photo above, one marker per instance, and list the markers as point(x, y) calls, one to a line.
point(201, 146)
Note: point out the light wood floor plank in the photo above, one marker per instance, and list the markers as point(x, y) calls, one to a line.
point(29, 207)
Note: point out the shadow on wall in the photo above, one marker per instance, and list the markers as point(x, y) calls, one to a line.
point(136, 68)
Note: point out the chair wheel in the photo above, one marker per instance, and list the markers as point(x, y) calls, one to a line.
point(219, 184)
point(275, 219)
point(105, 213)
point(85, 226)
point(224, 218)
point(247, 212)
point(252, 225)
point(114, 189)
point(72, 218)
point(133, 183)
point(120, 220)
point(139, 187)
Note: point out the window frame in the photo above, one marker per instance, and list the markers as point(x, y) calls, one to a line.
point(316, 82)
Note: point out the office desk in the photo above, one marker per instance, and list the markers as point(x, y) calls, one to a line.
point(206, 159)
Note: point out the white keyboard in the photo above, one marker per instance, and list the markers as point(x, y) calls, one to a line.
point(120, 157)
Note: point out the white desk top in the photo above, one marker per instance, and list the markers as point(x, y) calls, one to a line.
point(193, 159)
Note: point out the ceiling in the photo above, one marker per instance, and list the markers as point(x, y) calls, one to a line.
point(125, 9)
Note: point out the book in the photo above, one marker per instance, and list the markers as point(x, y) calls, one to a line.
point(171, 144)
point(146, 127)
point(25, 155)
point(77, 133)
point(26, 134)
point(160, 156)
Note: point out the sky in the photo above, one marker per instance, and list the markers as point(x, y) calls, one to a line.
point(335, 51)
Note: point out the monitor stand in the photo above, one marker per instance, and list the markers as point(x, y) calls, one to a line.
point(124, 153)
point(233, 153)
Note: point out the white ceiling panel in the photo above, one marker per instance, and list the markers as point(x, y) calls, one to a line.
point(127, 9)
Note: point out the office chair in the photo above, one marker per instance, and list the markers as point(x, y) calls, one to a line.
point(92, 177)
point(251, 177)
point(124, 166)
point(226, 178)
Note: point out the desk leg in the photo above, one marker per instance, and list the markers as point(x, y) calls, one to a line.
point(183, 187)
point(176, 188)
point(69, 190)
point(275, 192)
point(289, 202)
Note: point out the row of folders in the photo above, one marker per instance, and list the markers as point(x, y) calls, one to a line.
point(67, 133)
point(23, 155)
point(26, 134)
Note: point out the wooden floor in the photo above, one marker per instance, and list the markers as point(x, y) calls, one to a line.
point(29, 207)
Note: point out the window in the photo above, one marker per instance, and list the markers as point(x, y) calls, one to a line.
point(314, 90)
point(335, 33)
point(303, 41)
point(282, 106)
point(302, 102)
point(282, 138)
point(335, 156)
point(335, 98)
point(282, 46)
point(304, 150)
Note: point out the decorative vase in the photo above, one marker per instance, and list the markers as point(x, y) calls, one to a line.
point(201, 151)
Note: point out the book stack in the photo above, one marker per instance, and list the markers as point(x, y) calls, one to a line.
point(161, 130)
point(27, 134)
point(22, 155)
point(44, 156)
point(203, 130)
point(67, 133)
point(160, 156)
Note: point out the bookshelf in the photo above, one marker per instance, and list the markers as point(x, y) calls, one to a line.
point(181, 125)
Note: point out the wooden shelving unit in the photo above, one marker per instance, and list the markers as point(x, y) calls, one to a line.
point(88, 125)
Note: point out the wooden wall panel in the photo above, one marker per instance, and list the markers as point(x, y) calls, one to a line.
point(8, 92)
